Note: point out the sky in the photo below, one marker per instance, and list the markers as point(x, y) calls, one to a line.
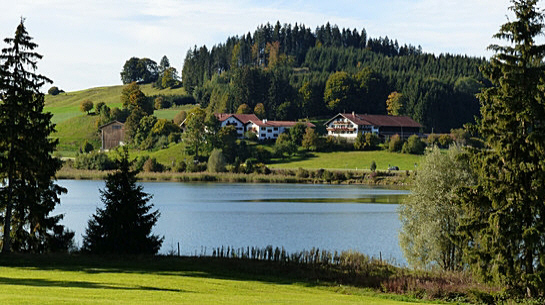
point(86, 43)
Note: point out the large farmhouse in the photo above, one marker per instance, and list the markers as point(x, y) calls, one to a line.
point(264, 129)
point(112, 135)
point(350, 125)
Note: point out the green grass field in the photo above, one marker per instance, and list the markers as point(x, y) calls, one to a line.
point(80, 280)
point(351, 160)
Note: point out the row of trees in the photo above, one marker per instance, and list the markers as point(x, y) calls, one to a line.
point(483, 209)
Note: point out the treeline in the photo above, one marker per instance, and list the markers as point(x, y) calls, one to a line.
point(290, 69)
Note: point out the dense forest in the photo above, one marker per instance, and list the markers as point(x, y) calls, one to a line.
point(297, 73)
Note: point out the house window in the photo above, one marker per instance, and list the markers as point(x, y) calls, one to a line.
point(275, 135)
point(276, 129)
point(116, 127)
point(262, 135)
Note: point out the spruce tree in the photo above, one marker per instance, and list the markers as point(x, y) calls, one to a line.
point(124, 225)
point(504, 231)
point(26, 162)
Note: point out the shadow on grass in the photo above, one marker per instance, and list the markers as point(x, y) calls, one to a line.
point(294, 158)
point(33, 282)
point(308, 275)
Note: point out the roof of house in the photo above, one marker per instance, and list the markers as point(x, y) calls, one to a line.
point(110, 123)
point(379, 120)
point(243, 118)
point(247, 118)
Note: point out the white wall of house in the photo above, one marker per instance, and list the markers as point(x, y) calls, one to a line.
point(266, 132)
point(342, 127)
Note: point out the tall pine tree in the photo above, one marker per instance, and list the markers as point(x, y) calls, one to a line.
point(124, 225)
point(26, 162)
point(504, 230)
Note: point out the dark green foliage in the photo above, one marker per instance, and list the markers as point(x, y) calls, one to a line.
point(395, 144)
point(367, 141)
point(124, 225)
point(54, 90)
point(504, 228)
point(86, 147)
point(297, 132)
point(132, 98)
point(86, 106)
point(373, 166)
point(151, 165)
point(93, 160)
point(414, 145)
point(216, 161)
point(141, 70)
point(284, 145)
point(28, 194)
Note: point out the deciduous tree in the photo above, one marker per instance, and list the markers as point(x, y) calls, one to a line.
point(430, 215)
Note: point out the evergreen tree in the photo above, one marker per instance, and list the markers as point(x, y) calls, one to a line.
point(26, 161)
point(504, 228)
point(124, 225)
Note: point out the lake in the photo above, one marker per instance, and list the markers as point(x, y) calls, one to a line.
point(203, 216)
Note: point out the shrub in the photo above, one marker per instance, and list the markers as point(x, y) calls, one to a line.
point(86, 106)
point(373, 166)
point(179, 118)
point(93, 161)
point(413, 146)
point(151, 165)
point(216, 161)
point(366, 141)
point(395, 144)
point(54, 90)
point(180, 167)
point(302, 173)
point(250, 135)
point(445, 140)
point(86, 147)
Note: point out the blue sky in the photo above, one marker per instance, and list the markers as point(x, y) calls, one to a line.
point(85, 43)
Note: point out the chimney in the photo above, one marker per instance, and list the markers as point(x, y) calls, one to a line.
point(353, 113)
point(264, 121)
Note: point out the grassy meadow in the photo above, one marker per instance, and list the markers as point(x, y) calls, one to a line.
point(350, 160)
point(97, 280)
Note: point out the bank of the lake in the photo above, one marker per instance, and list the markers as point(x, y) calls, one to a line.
point(401, 179)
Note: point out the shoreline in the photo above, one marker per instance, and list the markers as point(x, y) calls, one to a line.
point(382, 178)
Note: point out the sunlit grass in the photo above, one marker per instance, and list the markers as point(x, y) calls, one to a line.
point(147, 281)
point(351, 160)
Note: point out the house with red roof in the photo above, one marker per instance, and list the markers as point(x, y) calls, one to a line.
point(349, 125)
point(265, 130)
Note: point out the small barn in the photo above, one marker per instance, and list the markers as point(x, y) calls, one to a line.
point(112, 135)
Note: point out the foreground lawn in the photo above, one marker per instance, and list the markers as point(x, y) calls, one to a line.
point(189, 281)
point(351, 160)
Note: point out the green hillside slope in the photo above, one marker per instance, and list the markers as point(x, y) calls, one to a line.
point(74, 127)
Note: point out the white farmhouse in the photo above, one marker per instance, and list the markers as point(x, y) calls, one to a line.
point(350, 125)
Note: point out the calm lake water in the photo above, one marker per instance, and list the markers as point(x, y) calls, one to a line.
point(203, 216)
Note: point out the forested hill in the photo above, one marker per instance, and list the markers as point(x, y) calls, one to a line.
point(296, 72)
